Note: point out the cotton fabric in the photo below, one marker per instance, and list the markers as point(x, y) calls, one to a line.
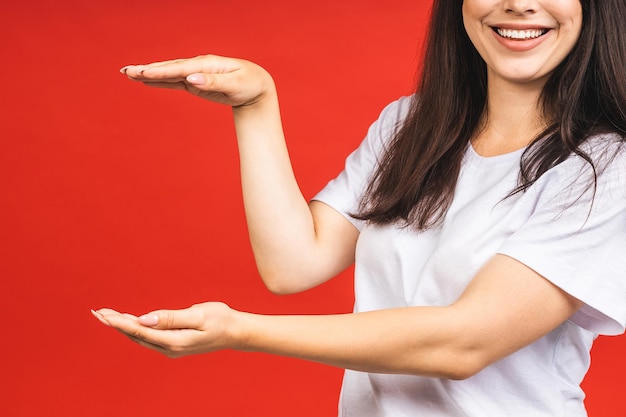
point(553, 228)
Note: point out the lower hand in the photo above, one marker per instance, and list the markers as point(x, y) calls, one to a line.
point(200, 328)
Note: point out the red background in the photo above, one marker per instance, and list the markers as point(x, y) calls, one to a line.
point(114, 194)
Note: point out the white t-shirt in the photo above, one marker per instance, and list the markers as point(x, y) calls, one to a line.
point(551, 228)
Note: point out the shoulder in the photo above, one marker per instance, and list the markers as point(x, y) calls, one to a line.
point(382, 131)
point(603, 161)
point(606, 151)
point(604, 146)
point(593, 178)
point(600, 155)
point(395, 112)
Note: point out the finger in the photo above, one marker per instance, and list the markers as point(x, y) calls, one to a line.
point(148, 345)
point(140, 67)
point(171, 85)
point(145, 343)
point(209, 64)
point(216, 96)
point(105, 313)
point(100, 318)
point(143, 340)
point(212, 83)
point(129, 325)
point(167, 62)
point(167, 342)
point(189, 318)
point(117, 319)
point(172, 351)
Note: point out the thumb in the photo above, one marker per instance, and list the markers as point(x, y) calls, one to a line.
point(205, 82)
point(171, 319)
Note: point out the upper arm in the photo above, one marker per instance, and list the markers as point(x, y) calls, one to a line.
point(331, 252)
point(336, 236)
point(506, 307)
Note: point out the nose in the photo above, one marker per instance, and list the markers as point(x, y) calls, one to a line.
point(521, 7)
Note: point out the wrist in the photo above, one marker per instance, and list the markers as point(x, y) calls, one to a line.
point(265, 101)
point(239, 333)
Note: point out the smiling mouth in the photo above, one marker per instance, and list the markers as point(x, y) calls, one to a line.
point(521, 35)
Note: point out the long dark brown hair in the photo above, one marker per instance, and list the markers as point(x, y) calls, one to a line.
point(586, 95)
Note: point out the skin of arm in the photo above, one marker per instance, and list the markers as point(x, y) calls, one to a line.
point(296, 245)
point(506, 307)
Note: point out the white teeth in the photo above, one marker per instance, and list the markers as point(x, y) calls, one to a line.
point(521, 34)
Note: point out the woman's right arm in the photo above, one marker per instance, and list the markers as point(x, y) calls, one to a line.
point(296, 245)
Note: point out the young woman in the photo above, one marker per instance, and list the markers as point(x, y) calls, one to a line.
point(486, 216)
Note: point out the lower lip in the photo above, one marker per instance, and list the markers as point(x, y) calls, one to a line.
point(517, 45)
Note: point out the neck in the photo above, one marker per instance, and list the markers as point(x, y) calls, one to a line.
point(513, 117)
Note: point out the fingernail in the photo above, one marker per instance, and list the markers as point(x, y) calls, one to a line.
point(195, 78)
point(100, 318)
point(149, 320)
point(140, 69)
point(123, 70)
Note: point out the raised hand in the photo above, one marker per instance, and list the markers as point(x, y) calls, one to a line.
point(235, 82)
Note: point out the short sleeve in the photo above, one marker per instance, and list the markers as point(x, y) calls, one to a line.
point(576, 235)
point(344, 192)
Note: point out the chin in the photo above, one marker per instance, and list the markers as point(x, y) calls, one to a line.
point(523, 77)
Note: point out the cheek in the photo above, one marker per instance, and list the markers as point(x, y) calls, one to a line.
point(474, 14)
point(470, 10)
point(569, 16)
point(471, 21)
point(571, 34)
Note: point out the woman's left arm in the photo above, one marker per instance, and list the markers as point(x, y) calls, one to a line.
point(506, 307)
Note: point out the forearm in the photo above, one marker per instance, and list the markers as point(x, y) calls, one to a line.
point(506, 307)
point(418, 340)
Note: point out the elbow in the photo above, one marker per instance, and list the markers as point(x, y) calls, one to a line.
point(289, 279)
point(462, 371)
point(468, 360)
point(274, 278)
point(463, 368)
point(279, 284)
point(462, 350)
point(278, 288)
point(456, 364)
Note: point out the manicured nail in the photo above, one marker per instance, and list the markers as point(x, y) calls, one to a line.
point(196, 78)
point(149, 320)
point(139, 68)
point(100, 317)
